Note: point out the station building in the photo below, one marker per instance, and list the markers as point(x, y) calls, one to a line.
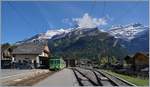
point(31, 55)
point(6, 57)
point(70, 62)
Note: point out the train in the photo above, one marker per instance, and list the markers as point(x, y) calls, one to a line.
point(56, 63)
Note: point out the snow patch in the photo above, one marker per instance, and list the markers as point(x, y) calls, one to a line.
point(127, 32)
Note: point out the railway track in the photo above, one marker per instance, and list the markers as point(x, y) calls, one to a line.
point(92, 77)
point(83, 79)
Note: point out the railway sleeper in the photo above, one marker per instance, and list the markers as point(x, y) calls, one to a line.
point(110, 79)
point(86, 83)
point(103, 81)
point(121, 81)
point(97, 77)
point(91, 81)
point(78, 79)
point(82, 80)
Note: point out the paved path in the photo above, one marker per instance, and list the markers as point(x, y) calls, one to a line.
point(63, 78)
point(11, 76)
point(4, 73)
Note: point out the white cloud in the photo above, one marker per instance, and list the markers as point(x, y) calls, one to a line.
point(88, 22)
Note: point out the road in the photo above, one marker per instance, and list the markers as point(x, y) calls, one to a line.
point(64, 77)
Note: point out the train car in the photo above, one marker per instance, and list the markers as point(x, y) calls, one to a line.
point(56, 63)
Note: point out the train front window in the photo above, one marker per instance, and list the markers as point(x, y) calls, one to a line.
point(51, 61)
point(57, 61)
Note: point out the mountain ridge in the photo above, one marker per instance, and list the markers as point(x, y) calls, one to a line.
point(129, 36)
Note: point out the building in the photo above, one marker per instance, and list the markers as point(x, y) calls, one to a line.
point(6, 57)
point(129, 61)
point(31, 55)
point(141, 61)
point(138, 61)
point(70, 62)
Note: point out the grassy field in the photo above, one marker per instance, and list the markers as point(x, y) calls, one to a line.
point(134, 80)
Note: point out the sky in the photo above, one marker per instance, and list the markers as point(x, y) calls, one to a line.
point(23, 19)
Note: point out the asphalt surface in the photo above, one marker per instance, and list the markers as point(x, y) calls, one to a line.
point(64, 78)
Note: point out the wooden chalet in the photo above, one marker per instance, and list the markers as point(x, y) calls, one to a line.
point(138, 61)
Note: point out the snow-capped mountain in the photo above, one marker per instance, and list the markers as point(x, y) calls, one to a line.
point(57, 34)
point(128, 32)
point(45, 36)
point(133, 37)
point(51, 33)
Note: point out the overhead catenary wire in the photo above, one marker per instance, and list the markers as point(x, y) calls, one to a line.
point(21, 16)
point(93, 6)
point(121, 17)
point(102, 11)
point(104, 7)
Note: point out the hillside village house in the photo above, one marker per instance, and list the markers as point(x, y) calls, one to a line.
point(141, 61)
point(138, 61)
point(31, 55)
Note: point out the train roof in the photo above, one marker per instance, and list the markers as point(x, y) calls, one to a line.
point(55, 57)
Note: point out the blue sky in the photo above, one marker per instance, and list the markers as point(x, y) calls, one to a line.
point(21, 20)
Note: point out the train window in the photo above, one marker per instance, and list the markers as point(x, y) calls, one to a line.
point(57, 61)
point(51, 61)
point(54, 61)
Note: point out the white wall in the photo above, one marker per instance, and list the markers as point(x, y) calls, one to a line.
point(23, 57)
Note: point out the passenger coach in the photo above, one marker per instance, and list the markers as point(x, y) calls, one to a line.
point(56, 63)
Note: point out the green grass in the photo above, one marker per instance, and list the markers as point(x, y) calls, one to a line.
point(134, 80)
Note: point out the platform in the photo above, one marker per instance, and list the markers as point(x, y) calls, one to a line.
point(64, 77)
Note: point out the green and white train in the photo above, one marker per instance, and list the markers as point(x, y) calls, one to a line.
point(56, 63)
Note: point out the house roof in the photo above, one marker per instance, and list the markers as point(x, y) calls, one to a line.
point(143, 54)
point(6, 50)
point(29, 48)
point(138, 53)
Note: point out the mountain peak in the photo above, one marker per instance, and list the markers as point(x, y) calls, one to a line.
point(50, 33)
point(127, 32)
point(45, 36)
point(137, 25)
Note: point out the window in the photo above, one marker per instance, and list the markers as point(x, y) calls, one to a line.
point(51, 62)
point(57, 61)
point(19, 61)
